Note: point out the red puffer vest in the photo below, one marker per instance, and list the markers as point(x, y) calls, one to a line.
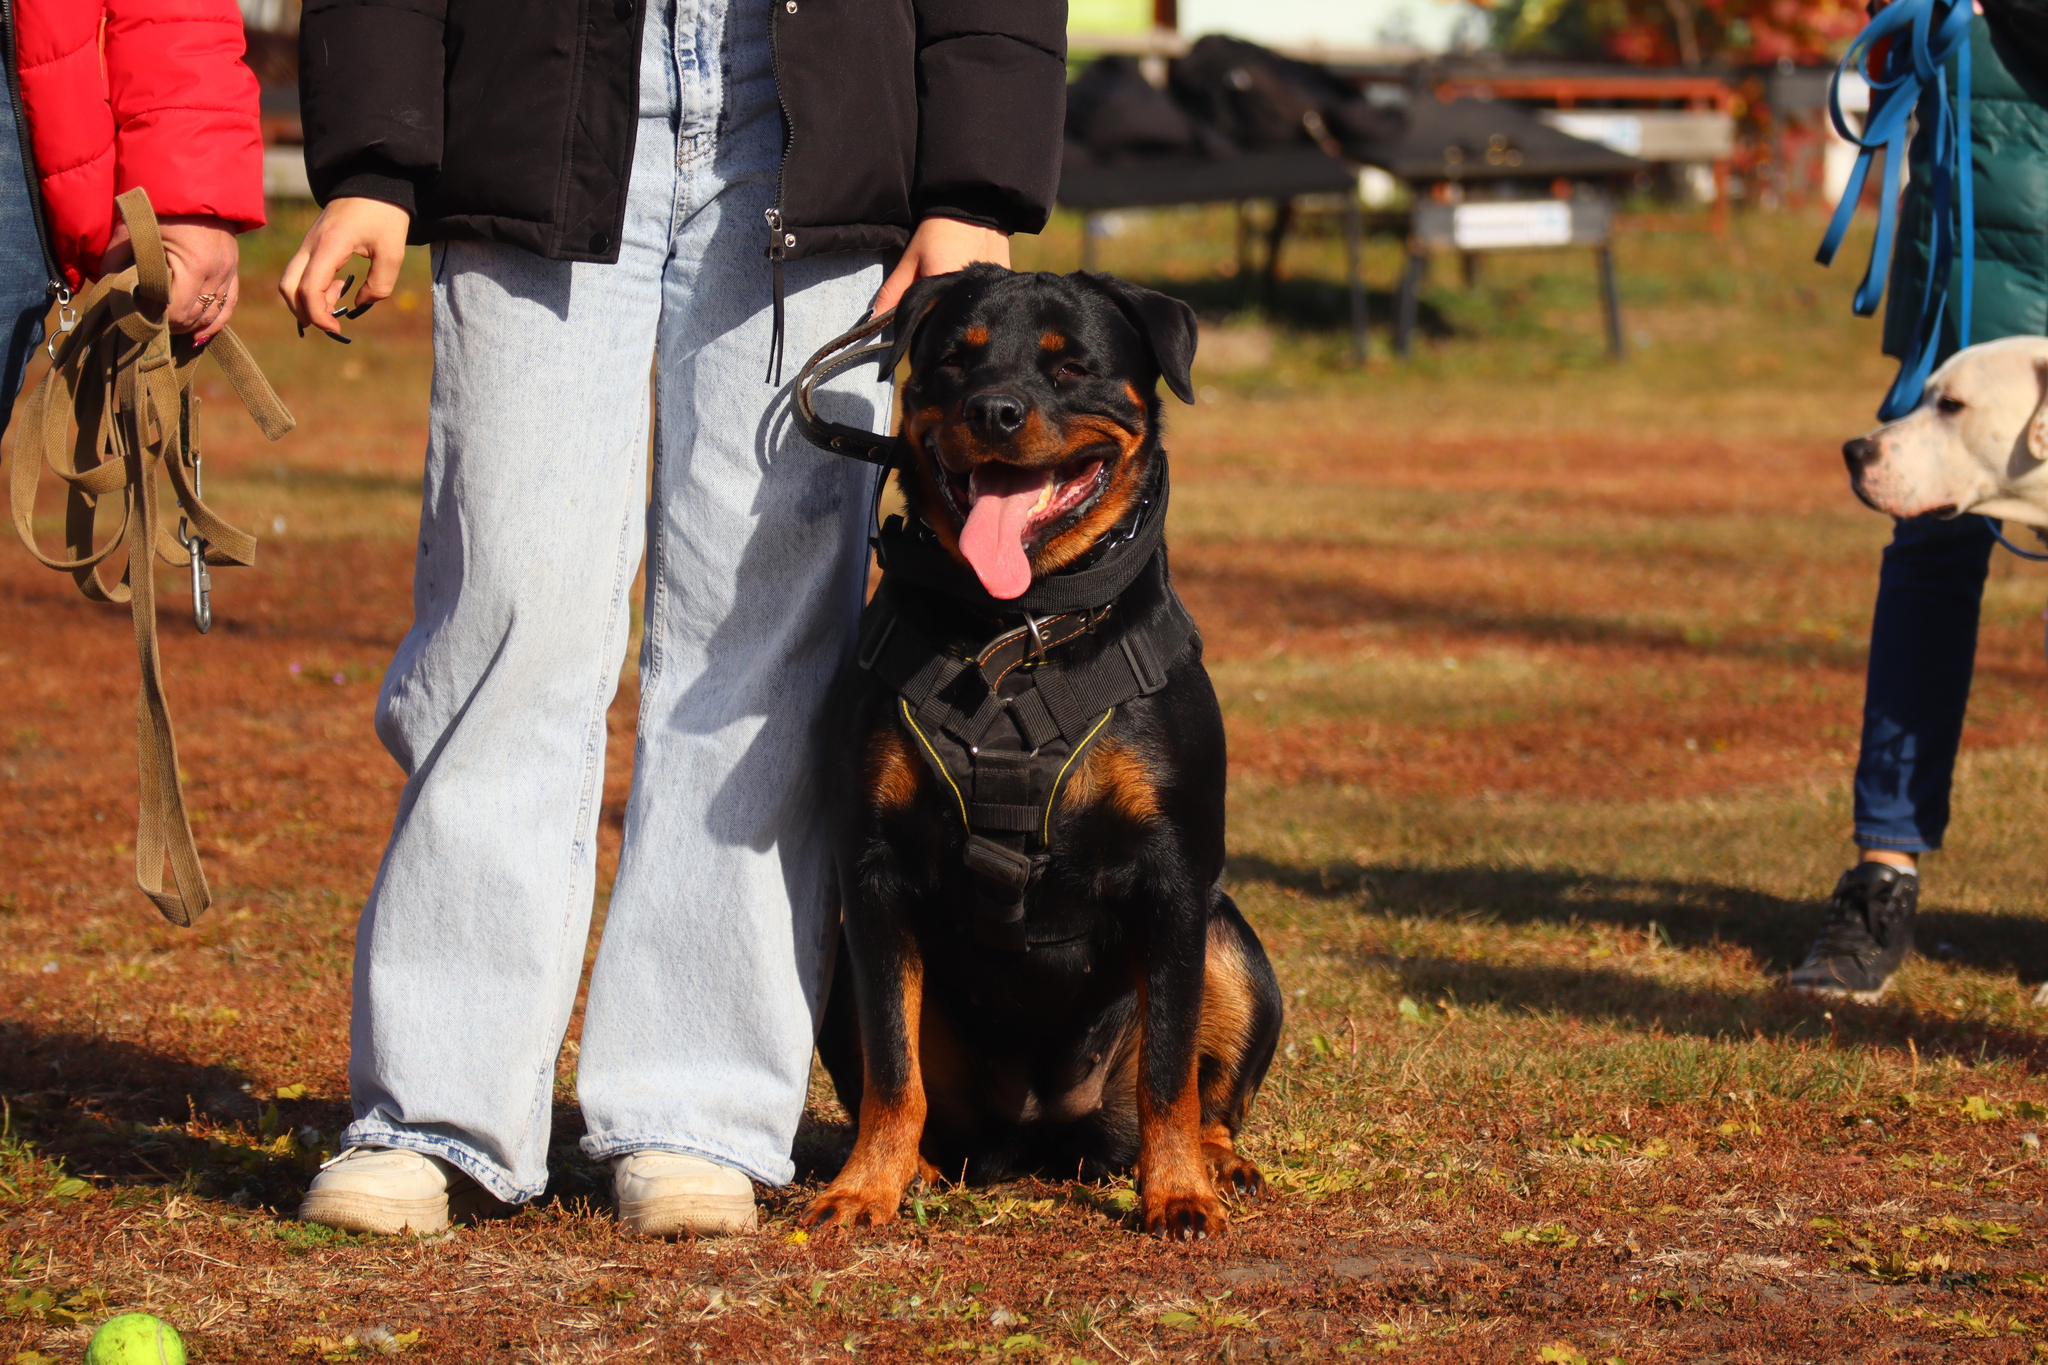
point(123, 93)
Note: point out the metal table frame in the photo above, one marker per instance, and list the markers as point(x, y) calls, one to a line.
point(1437, 225)
point(1280, 177)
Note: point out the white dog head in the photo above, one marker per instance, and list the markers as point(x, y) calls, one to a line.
point(1978, 442)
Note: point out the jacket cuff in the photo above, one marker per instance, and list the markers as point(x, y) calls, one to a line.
point(383, 185)
point(963, 214)
point(983, 205)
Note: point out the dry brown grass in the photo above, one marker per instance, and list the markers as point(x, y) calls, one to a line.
point(1538, 1099)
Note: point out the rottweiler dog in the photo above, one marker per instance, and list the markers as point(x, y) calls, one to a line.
point(1039, 968)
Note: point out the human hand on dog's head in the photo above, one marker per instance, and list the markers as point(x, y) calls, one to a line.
point(1031, 411)
point(1977, 441)
point(941, 246)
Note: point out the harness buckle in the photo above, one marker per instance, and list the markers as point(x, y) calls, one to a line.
point(1145, 669)
point(1037, 637)
point(1006, 873)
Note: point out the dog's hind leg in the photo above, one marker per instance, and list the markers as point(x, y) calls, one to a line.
point(1241, 1014)
point(890, 996)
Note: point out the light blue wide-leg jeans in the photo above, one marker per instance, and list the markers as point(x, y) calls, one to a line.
point(537, 507)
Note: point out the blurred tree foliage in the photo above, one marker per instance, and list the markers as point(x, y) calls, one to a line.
point(1688, 33)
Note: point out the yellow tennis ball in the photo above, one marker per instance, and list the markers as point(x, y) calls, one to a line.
point(135, 1339)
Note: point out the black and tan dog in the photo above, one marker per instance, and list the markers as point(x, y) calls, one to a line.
point(1040, 969)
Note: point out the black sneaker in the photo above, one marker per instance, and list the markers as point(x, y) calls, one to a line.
point(1868, 933)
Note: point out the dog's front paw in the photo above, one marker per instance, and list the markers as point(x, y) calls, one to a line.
point(1233, 1173)
point(852, 1206)
point(1185, 1215)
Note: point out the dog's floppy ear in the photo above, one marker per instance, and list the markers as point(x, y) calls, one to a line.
point(1167, 324)
point(917, 302)
point(2037, 429)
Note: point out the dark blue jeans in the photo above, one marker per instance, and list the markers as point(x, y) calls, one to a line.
point(24, 278)
point(1923, 648)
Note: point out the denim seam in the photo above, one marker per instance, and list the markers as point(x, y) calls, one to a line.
point(583, 830)
point(371, 1133)
point(614, 1145)
point(1867, 839)
point(651, 629)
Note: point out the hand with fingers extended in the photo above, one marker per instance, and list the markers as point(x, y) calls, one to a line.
point(204, 256)
point(369, 228)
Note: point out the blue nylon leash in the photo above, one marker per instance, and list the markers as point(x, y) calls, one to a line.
point(1998, 534)
point(1924, 35)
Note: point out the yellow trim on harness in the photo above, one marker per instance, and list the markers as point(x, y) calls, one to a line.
point(939, 764)
point(1059, 782)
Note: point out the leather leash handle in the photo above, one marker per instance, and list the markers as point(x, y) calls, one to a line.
point(838, 437)
point(126, 383)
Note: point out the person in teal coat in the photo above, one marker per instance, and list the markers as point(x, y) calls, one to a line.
point(1923, 634)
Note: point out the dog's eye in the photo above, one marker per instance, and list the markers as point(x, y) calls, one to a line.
point(1948, 407)
point(954, 361)
point(1070, 372)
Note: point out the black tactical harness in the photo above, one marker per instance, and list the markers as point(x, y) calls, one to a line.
point(1005, 724)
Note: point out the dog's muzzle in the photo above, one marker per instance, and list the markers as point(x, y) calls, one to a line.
point(1859, 455)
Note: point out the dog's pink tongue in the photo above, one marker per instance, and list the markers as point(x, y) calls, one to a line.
point(993, 538)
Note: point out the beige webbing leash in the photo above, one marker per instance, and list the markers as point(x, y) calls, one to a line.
point(125, 382)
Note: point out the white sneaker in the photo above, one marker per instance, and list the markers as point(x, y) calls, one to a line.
point(663, 1194)
point(389, 1189)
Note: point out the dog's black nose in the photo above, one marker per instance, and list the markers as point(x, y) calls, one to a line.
point(1860, 453)
point(995, 415)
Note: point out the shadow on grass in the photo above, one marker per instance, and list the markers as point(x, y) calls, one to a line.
point(116, 1112)
point(1774, 930)
point(1285, 601)
point(1617, 997)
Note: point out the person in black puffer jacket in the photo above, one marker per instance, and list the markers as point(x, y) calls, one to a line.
point(612, 187)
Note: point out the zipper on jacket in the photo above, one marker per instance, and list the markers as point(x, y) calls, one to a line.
point(776, 244)
point(59, 290)
point(775, 257)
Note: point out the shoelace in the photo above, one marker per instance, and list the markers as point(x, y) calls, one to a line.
point(1846, 934)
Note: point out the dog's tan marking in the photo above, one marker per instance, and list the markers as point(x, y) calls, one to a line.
point(893, 771)
point(885, 1151)
point(1229, 1005)
point(1109, 509)
point(1229, 1013)
point(1227, 1168)
point(950, 1080)
point(1052, 341)
point(1176, 1192)
point(975, 336)
point(916, 424)
point(1116, 777)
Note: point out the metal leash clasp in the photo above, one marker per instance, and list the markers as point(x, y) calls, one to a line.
point(202, 581)
point(195, 548)
point(67, 319)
